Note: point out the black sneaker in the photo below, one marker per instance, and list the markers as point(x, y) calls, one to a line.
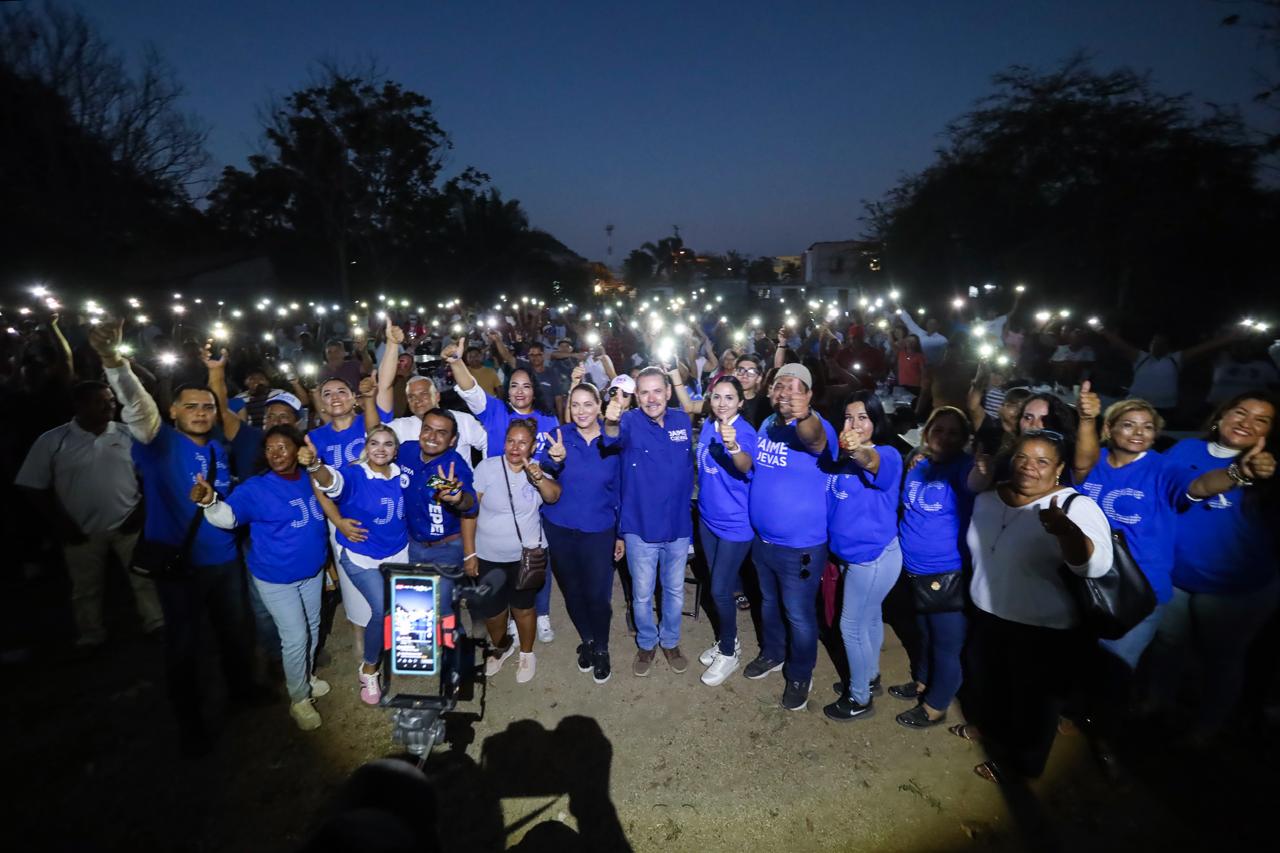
point(906, 692)
point(840, 688)
point(585, 654)
point(795, 696)
point(875, 687)
point(845, 709)
point(761, 666)
point(600, 670)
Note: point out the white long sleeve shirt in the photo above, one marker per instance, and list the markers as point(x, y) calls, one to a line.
point(1015, 560)
point(934, 345)
point(471, 435)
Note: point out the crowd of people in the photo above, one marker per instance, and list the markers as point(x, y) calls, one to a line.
point(262, 479)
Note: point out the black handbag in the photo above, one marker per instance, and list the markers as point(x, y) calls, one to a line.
point(1111, 605)
point(532, 573)
point(940, 593)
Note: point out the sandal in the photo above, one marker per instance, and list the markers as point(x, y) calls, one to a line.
point(989, 771)
point(966, 731)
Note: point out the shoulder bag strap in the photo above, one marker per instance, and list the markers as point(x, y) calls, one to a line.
point(511, 501)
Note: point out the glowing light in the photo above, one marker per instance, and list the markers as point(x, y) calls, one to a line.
point(863, 301)
point(282, 311)
point(168, 359)
point(382, 315)
point(321, 310)
point(978, 331)
point(986, 350)
point(957, 303)
point(199, 301)
point(266, 336)
point(593, 338)
point(133, 303)
point(857, 365)
point(24, 311)
point(1022, 288)
point(739, 335)
point(52, 304)
point(354, 318)
point(404, 303)
point(680, 329)
point(755, 322)
point(791, 322)
point(179, 310)
point(39, 292)
point(1002, 360)
point(177, 296)
point(456, 328)
point(1093, 321)
point(237, 313)
point(308, 369)
point(608, 312)
point(587, 317)
point(492, 322)
point(920, 311)
point(893, 294)
point(220, 333)
point(124, 350)
point(143, 319)
point(1065, 312)
point(882, 323)
point(724, 319)
point(1043, 316)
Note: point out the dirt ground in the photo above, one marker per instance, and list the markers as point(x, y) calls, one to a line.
point(564, 764)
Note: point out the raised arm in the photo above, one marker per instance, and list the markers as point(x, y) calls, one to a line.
point(217, 368)
point(912, 326)
point(687, 403)
point(1201, 350)
point(65, 364)
point(504, 354)
point(384, 397)
point(138, 410)
point(1087, 449)
point(1253, 465)
point(452, 354)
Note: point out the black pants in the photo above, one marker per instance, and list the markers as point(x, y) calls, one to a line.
point(583, 564)
point(219, 591)
point(1020, 676)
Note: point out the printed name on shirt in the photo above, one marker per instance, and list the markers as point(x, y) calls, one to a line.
point(772, 453)
point(678, 435)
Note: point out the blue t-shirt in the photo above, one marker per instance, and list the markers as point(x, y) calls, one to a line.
point(724, 492)
point(336, 447)
point(168, 467)
point(936, 505)
point(788, 504)
point(428, 519)
point(288, 537)
point(657, 479)
point(862, 508)
point(497, 415)
point(378, 504)
point(590, 486)
point(1222, 545)
point(246, 452)
point(1140, 499)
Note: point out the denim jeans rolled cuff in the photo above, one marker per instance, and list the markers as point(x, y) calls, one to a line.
point(789, 581)
point(861, 620)
point(295, 609)
point(370, 584)
point(724, 561)
point(442, 554)
point(942, 637)
point(650, 562)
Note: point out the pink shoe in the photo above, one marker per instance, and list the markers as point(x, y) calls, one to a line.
point(370, 691)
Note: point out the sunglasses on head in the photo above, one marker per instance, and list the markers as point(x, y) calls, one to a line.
point(1052, 435)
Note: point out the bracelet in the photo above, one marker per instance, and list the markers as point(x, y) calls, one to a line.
point(315, 466)
point(1233, 471)
point(213, 500)
point(468, 556)
point(737, 448)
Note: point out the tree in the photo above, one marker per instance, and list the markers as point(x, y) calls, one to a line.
point(133, 114)
point(637, 268)
point(1086, 184)
point(761, 271)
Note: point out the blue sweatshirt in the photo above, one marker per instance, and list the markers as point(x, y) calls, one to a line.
point(428, 519)
point(657, 475)
point(590, 486)
point(862, 508)
point(788, 504)
point(1141, 499)
point(936, 505)
point(495, 417)
point(168, 467)
point(724, 492)
point(1223, 545)
point(288, 537)
point(378, 504)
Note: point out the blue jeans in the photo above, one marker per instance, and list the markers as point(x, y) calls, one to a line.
point(264, 626)
point(789, 581)
point(1130, 647)
point(724, 561)
point(295, 609)
point(373, 588)
point(649, 561)
point(941, 641)
point(861, 623)
point(584, 568)
point(444, 554)
point(1214, 631)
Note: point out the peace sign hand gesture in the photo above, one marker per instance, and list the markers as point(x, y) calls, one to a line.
point(450, 491)
point(1257, 463)
point(1055, 519)
point(556, 449)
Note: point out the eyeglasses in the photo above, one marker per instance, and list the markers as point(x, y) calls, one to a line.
point(747, 371)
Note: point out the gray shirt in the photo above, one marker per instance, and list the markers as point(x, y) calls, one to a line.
point(496, 539)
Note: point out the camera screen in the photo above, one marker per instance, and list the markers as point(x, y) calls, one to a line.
point(415, 611)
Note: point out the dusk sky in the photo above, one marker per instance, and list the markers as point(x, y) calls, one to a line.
point(756, 126)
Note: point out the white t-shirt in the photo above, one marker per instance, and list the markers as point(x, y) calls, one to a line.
point(1231, 377)
point(92, 475)
point(496, 539)
point(1015, 560)
point(1156, 379)
point(471, 436)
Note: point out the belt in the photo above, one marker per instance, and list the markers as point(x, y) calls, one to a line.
point(453, 537)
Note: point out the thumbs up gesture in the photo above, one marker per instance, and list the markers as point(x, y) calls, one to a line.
point(728, 436)
point(1088, 405)
point(307, 453)
point(556, 449)
point(395, 334)
point(1257, 463)
point(613, 412)
point(1055, 521)
point(202, 494)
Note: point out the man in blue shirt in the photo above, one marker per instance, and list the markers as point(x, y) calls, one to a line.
point(434, 513)
point(655, 523)
point(170, 458)
point(788, 511)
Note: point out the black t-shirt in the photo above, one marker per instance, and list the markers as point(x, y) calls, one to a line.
point(756, 410)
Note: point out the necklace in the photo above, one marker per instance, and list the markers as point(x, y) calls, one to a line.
point(1005, 521)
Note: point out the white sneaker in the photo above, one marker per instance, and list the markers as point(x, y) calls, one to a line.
point(545, 634)
point(319, 687)
point(304, 713)
point(494, 664)
point(720, 669)
point(528, 666)
point(709, 655)
point(511, 628)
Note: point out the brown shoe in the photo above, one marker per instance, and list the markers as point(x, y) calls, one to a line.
point(643, 663)
point(677, 661)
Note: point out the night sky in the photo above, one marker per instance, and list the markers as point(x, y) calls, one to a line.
point(754, 126)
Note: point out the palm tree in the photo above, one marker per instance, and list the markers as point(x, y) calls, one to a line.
point(666, 254)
